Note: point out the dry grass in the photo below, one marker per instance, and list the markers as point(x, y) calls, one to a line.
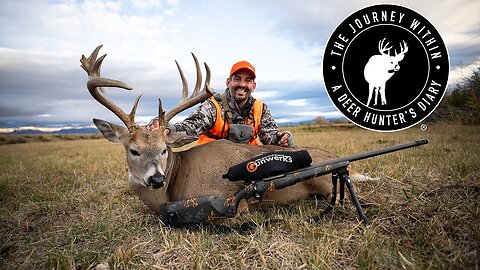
point(67, 205)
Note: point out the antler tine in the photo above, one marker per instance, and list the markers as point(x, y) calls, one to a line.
point(199, 77)
point(380, 44)
point(96, 83)
point(161, 114)
point(207, 87)
point(382, 48)
point(184, 82)
point(86, 63)
point(196, 97)
point(207, 79)
point(131, 116)
point(404, 48)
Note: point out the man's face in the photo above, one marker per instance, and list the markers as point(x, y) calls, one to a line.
point(241, 85)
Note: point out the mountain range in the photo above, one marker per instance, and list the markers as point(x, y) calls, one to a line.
point(23, 131)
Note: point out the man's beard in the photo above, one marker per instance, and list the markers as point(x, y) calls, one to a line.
point(240, 96)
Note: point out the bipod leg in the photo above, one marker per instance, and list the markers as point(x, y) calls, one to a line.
point(335, 178)
point(342, 186)
point(348, 182)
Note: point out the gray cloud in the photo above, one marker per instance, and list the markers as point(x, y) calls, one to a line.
point(309, 23)
point(41, 44)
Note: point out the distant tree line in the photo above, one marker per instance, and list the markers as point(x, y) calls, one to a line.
point(461, 103)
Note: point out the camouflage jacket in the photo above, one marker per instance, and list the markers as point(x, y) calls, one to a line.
point(203, 119)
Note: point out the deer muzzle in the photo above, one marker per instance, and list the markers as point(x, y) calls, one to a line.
point(157, 180)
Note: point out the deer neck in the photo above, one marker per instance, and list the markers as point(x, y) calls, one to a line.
point(173, 164)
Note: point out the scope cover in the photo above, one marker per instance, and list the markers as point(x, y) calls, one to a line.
point(270, 164)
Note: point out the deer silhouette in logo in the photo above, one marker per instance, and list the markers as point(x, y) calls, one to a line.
point(380, 68)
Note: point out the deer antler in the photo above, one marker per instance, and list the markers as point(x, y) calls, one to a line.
point(95, 83)
point(403, 49)
point(383, 48)
point(196, 97)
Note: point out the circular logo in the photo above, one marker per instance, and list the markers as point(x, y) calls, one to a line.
point(385, 67)
point(251, 166)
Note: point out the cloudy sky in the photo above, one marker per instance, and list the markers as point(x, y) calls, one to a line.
point(41, 42)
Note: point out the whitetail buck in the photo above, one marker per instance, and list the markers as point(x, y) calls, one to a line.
point(380, 68)
point(157, 174)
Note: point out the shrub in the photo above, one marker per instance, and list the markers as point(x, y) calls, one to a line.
point(462, 103)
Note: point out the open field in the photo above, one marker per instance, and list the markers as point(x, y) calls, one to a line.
point(66, 204)
point(26, 138)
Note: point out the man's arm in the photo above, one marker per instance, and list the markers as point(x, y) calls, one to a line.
point(200, 120)
point(269, 132)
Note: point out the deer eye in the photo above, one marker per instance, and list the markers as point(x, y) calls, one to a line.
point(164, 152)
point(134, 152)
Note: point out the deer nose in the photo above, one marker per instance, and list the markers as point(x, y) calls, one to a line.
point(157, 180)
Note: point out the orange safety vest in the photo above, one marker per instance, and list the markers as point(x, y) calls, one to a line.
point(221, 127)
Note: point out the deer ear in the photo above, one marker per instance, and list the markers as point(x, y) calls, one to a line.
point(111, 132)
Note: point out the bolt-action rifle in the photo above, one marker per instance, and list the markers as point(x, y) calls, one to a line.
point(206, 209)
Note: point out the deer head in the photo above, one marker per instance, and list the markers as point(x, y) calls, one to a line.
point(148, 151)
point(391, 62)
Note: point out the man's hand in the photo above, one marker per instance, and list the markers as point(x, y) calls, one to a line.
point(284, 140)
point(156, 125)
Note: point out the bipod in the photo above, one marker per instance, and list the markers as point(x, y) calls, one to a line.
point(341, 175)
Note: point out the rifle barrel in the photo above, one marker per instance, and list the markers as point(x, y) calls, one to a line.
point(352, 158)
point(382, 151)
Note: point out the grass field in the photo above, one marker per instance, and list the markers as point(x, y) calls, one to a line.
point(66, 204)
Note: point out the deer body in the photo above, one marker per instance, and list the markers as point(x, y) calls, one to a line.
point(157, 174)
point(194, 176)
point(198, 171)
point(380, 68)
